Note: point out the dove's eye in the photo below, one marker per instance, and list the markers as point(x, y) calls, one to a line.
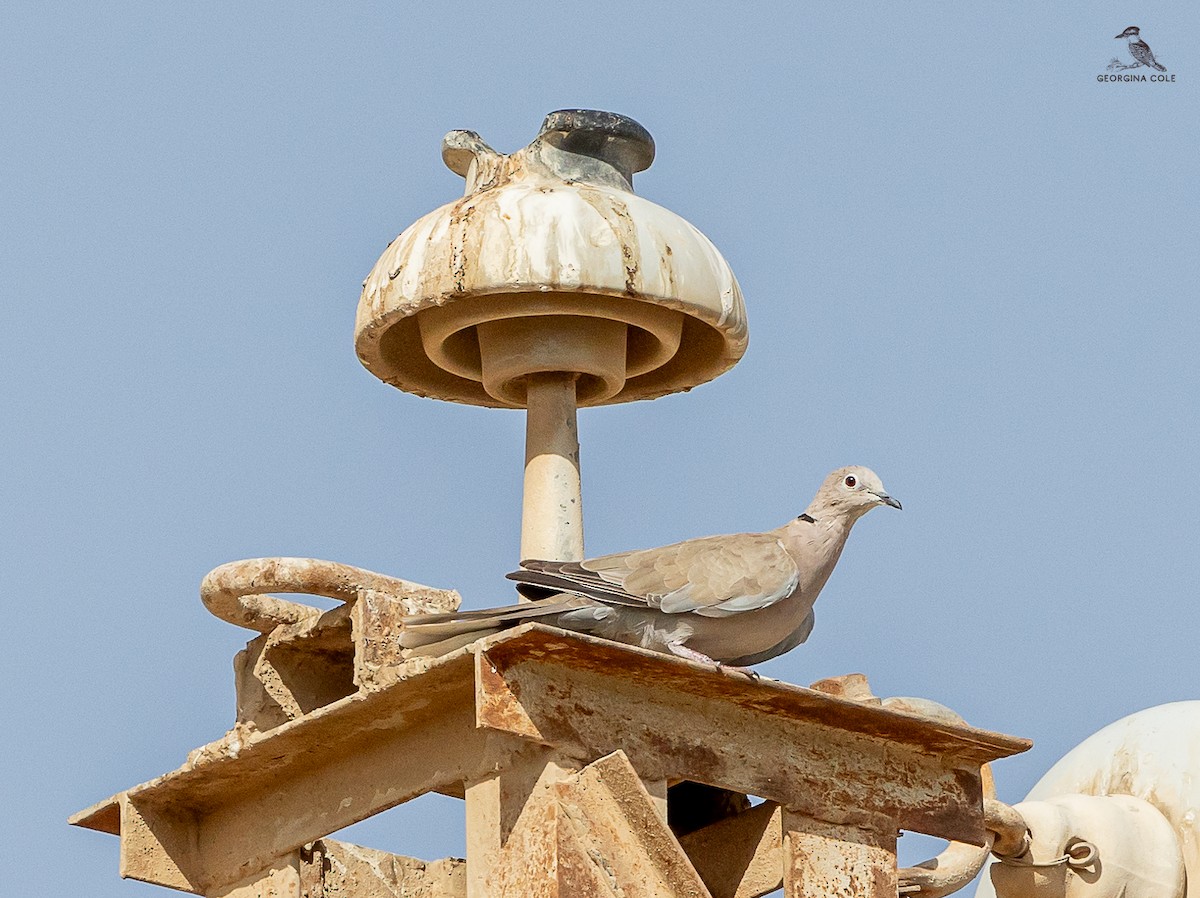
point(851, 481)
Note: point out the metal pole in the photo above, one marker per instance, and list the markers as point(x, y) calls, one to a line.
point(552, 510)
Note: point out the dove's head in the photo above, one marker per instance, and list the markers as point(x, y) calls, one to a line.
point(853, 491)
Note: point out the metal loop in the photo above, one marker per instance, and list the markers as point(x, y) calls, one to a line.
point(1081, 853)
point(1078, 853)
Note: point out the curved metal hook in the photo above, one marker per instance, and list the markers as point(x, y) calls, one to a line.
point(235, 591)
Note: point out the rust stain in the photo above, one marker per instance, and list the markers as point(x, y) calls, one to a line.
point(643, 668)
point(883, 881)
point(687, 755)
point(460, 220)
point(500, 703)
point(666, 266)
point(615, 213)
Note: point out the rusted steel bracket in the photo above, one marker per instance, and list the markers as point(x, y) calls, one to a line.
point(306, 657)
point(594, 834)
point(740, 856)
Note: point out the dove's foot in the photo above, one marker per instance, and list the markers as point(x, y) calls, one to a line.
point(683, 651)
point(749, 673)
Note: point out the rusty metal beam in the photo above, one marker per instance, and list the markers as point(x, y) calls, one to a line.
point(496, 802)
point(250, 798)
point(283, 879)
point(829, 757)
point(822, 859)
point(159, 846)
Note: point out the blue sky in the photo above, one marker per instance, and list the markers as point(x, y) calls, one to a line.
point(967, 264)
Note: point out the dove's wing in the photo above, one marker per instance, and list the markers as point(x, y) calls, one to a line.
point(714, 577)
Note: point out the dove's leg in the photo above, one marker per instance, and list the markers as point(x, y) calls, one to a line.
point(691, 654)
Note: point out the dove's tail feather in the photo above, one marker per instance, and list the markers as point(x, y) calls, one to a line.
point(536, 593)
point(427, 632)
point(449, 644)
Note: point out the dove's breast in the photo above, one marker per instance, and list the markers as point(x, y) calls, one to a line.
point(751, 632)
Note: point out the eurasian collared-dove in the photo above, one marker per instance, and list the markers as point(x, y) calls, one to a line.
point(737, 599)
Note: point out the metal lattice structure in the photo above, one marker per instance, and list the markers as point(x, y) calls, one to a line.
point(587, 769)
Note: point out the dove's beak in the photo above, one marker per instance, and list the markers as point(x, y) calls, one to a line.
point(888, 500)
